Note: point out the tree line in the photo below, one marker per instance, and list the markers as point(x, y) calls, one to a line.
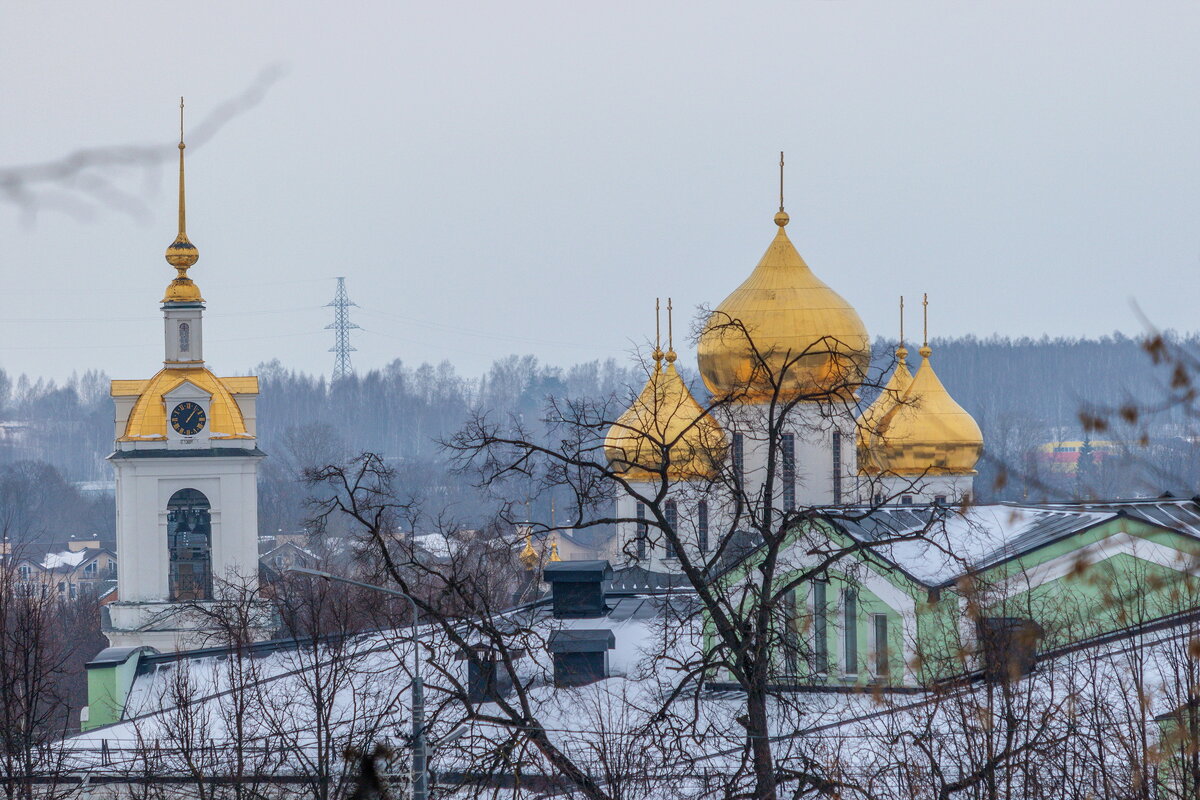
point(1023, 392)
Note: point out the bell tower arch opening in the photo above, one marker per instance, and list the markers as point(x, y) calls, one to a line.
point(189, 543)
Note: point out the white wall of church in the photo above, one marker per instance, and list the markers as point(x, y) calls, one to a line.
point(824, 474)
point(701, 528)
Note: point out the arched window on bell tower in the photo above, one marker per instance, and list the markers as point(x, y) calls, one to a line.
point(185, 337)
point(189, 540)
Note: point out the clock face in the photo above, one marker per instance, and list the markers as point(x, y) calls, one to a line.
point(188, 418)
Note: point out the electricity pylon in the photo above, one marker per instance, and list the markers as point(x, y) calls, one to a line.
point(341, 326)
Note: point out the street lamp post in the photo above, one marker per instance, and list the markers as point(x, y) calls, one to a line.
point(420, 774)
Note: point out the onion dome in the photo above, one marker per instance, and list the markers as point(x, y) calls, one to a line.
point(148, 418)
point(870, 424)
point(927, 433)
point(182, 254)
point(783, 325)
point(529, 557)
point(665, 416)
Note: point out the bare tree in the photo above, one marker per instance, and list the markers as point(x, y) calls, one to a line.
point(36, 659)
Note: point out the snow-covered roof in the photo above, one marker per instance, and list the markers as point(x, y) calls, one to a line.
point(375, 670)
point(949, 542)
point(67, 558)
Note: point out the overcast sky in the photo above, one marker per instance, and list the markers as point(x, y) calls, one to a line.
point(516, 177)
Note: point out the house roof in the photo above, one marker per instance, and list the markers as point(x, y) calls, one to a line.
point(1178, 515)
point(954, 542)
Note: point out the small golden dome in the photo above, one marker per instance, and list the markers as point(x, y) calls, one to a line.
point(870, 423)
point(529, 557)
point(928, 433)
point(181, 255)
point(665, 414)
point(793, 320)
point(148, 419)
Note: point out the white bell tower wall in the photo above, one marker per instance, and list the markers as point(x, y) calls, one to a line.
point(183, 339)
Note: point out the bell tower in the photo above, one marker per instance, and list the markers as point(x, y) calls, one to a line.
point(186, 462)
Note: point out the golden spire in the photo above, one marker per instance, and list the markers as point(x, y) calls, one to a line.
point(182, 198)
point(182, 254)
point(554, 548)
point(781, 219)
point(671, 355)
point(529, 556)
point(902, 351)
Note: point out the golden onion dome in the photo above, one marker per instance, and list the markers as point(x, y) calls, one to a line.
point(181, 255)
point(148, 418)
point(928, 433)
point(806, 336)
point(870, 423)
point(665, 415)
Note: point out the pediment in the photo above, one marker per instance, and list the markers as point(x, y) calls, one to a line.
point(187, 391)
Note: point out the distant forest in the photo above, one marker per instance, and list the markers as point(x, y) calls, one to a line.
point(1024, 393)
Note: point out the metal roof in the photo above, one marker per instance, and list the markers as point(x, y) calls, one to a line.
point(953, 542)
point(576, 640)
point(1178, 515)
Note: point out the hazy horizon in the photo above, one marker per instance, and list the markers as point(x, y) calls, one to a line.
point(528, 178)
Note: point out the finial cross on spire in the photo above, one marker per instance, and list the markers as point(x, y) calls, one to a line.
point(925, 311)
point(781, 218)
point(902, 320)
point(657, 355)
point(781, 180)
point(670, 334)
point(670, 327)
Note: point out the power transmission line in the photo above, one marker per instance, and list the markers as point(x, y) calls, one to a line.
point(341, 326)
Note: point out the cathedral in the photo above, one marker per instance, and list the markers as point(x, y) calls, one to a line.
point(186, 462)
point(784, 358)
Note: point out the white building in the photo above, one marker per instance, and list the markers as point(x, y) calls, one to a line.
point(186, 461)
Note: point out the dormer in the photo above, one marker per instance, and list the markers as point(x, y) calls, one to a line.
point(189, 411)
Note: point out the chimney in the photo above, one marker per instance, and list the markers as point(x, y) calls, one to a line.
point(580, 656)
point(1008, 646)
point(577, 587)
point(486, 681)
